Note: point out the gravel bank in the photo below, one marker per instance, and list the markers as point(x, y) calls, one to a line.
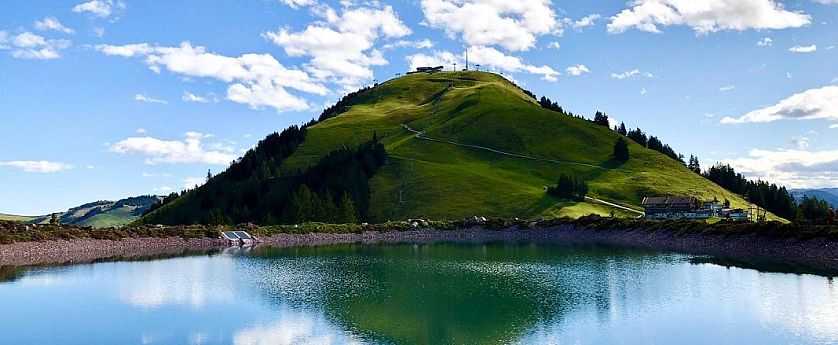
point(820, 255)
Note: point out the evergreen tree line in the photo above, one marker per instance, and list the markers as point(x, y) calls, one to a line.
point(637, 135)
point(569, 187)
point(248, 180)
point(343, 104)
point(336, 189)
point(650, 142)
point(769, 196)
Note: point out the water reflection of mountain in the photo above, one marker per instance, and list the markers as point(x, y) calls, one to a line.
point(447, 293)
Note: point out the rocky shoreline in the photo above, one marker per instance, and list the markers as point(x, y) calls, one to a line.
point(818, 255)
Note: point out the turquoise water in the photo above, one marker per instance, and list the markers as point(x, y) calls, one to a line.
point(416, 294)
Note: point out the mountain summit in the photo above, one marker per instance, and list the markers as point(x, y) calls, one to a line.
point(457, 144)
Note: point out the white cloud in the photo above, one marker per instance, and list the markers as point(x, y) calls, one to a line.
point(141, 130)
point(153, 175)
point(192, 182)
point(159, 151)
point(555, 45)
point(801, 143)
point(631, 74)
point(707, 16)
point(27, 45)
point(37, 166)
point(420, 44)
point(52, 23)
point(342, 47)
point(582, 23)
point(811, 104)
point(257, 80)
point(491, 57)
point(827, 2)
point(643, 91)
point(792, 168)
point(193, 98)
point(163, 189)
point(835, 126)
point(577, 70)
point(146, 99)
point(727, 88)
point(514, 25)
point(804, 49)
point(438, 58)
point(487, 57)
point(100, 8)
point(765, 42)
point(295, 4)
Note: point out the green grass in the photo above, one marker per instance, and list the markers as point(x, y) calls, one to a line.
point(14, 218)
point(444, 181)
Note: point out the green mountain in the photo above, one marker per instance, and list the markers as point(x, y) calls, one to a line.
point(457, 144)
point(14, 218)
point(102, 214)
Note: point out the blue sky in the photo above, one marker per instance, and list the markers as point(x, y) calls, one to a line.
point(106, 99)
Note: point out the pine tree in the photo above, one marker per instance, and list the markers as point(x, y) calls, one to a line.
point(302, 205)
point(347, 213)
point(622, 130)
point(621, 150)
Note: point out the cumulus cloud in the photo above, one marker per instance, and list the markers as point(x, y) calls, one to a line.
point(811, 104)
point(513, 25)
point(295, 4)
point(765, 42)
point(162, 189)
point(631, 74)
point(436, 58)
point(100, 8)
point(804, 49)
point(159, 151)
point(577, 70)
point(52, 23)
point(27, 45)
point(258, 80)
point(727, 88)
point(193, 98)
point(487, 57)
point(793, 168)
point(583, 22)
point(801, 143)
point(36, 166)
point(146, 99)
point(341, 48)
point(420, 44)
point(192, 182)
point(491, 57)
point(707, 16)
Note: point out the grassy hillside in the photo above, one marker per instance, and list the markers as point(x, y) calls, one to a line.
point(14, 218)
point(102, 214)
point(487, 148)
point(457, 144)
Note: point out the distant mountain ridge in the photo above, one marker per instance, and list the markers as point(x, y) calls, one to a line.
point(830, 195)
point(104, 213)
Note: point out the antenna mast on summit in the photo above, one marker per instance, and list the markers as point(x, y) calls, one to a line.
point(466, 58)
